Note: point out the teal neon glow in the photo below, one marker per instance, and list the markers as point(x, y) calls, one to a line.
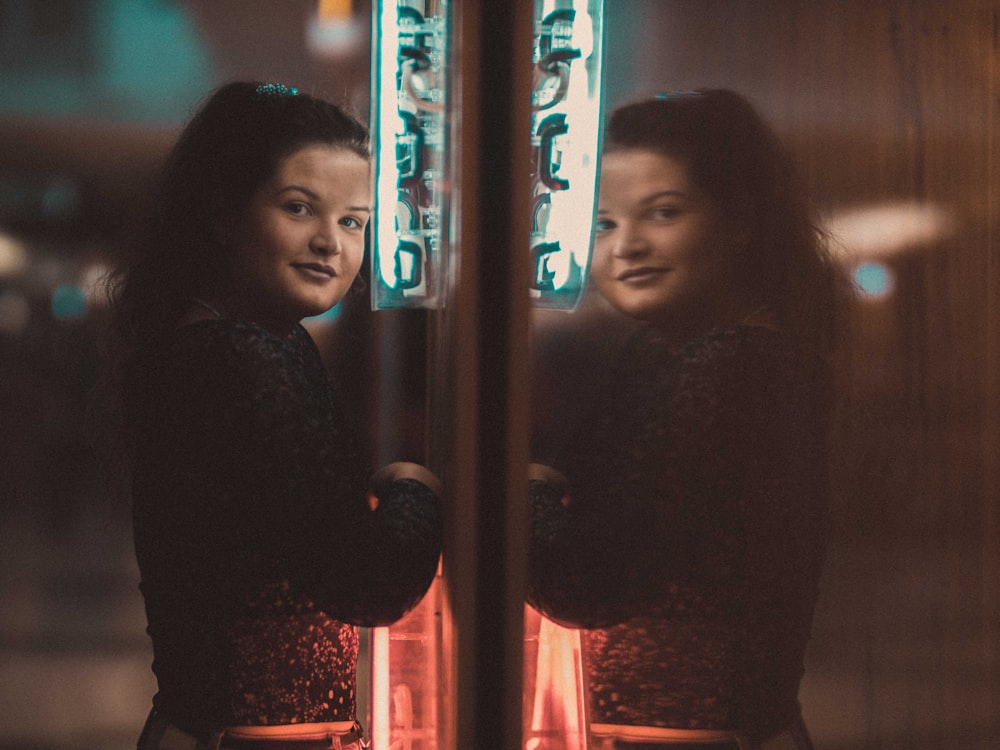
point(409, 106)
point(566, 129)
point(330, 316)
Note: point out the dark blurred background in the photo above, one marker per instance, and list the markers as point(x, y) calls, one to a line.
point(92, 93)
point(890, 108)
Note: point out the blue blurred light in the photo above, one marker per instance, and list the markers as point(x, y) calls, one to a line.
point(874, 279)
point(69, 301)
point(60, 198)
point(135, 60)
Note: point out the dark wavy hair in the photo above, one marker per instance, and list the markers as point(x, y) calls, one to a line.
point(734, 156)
point(228, 150)
point(231, 147)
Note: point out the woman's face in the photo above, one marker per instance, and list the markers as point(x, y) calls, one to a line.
point(302, 239)
point(662, 253)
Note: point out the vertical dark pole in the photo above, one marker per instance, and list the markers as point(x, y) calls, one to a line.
point(485, 331)
point(502, 239)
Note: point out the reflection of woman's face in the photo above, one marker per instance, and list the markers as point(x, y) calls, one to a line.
point(662, 253)
point(302, 239)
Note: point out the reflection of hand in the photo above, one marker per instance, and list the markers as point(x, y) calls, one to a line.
point(555, 479)
point(383, 478)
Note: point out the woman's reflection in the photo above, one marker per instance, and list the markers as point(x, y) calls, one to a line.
point(686, 527)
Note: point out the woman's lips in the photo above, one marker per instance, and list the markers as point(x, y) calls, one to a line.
point(639, 275)
point(319, 271)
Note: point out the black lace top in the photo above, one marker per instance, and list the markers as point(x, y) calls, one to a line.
point(693, 543)
point(258, 551)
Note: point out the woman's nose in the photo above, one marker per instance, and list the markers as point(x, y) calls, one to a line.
point(630, 241)
point(326, 240)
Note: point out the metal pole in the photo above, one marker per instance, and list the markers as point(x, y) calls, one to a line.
point(483, 336)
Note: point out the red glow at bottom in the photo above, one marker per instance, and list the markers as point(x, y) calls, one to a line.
point(555, 716)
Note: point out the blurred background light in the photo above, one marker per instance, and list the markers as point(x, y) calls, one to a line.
point(69, 301)
point(13, 256)
point(335, 31)
point(93, 281)
point(874, 280)
point(102, 59)
point(889, 229)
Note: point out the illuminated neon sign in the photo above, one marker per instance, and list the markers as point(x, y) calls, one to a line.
point(410, 129)
point(409, 101)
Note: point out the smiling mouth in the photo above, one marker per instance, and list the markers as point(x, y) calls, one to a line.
point(642, 274)
point(319, 269)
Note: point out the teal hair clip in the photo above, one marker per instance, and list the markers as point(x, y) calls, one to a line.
point(276, 89)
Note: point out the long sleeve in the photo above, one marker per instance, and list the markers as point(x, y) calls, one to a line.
point(360, 566)
point(680, 447)
point(693, 541)
point(257, 433)
point(257, 547)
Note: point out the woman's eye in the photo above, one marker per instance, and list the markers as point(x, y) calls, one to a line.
point(352, 222)
point(666, 212)
point(297, 209)
point(603, 225)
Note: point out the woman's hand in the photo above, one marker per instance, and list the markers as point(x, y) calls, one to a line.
point(555, 479)
point(383, 478)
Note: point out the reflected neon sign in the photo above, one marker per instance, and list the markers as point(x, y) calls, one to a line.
point(565, 122)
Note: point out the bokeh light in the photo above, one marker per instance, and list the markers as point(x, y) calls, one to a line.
point(874, 280)
point(69, 301)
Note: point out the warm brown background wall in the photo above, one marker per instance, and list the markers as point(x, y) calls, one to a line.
point(891, 108)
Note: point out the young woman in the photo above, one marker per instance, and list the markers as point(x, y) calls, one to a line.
point(263, 539)
point(686, 528)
